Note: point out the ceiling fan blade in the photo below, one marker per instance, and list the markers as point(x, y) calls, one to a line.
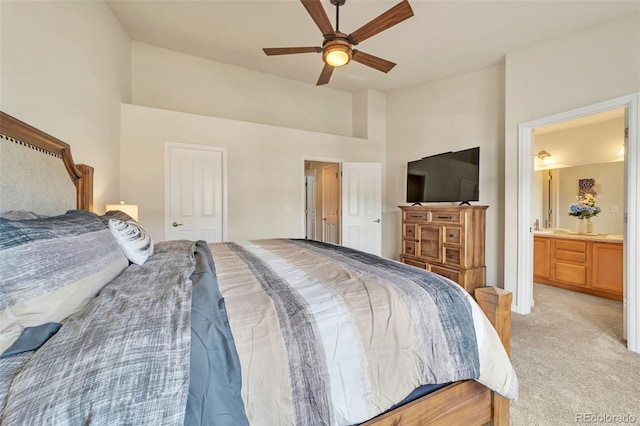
point(270, 51)
point(372, 61)
point(388, 19)
point(325, 75)
point(319, 16)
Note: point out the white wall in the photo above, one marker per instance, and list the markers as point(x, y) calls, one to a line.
point(176, 81)
point(65, 69)
point(265, 167)
point(559, 75)
point(448, 115)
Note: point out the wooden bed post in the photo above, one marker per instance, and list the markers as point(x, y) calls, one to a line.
point(84, 188)
point(496, 304)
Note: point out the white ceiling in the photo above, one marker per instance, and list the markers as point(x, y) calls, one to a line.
point(444, 38)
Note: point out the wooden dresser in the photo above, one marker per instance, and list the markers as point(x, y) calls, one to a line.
point(447, 240)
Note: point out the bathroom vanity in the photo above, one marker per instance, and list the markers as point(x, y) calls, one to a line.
point(581, 262)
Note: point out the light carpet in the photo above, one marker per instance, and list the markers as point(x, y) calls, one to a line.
point(572, 362)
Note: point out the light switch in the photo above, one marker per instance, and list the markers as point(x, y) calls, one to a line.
point(288, 209)
point(614, 209)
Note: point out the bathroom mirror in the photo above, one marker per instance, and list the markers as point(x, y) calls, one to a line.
point(558, 188)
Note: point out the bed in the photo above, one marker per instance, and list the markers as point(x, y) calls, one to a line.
point(266, 332)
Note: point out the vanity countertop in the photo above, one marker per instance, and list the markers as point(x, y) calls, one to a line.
point(601, 238)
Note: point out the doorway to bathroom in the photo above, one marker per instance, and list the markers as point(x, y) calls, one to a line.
point(631, 232)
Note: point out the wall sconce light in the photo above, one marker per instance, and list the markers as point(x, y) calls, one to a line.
point(130, 209)
point(545, 157)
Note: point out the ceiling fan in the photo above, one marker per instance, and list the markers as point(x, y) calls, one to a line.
point(337, 47)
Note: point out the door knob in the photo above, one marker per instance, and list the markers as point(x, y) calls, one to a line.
point(377, 221)
point(175, 224)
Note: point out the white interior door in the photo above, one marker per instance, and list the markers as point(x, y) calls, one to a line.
point(194, 193)
point(310, 205)
point(362, 206)
point(331, 204)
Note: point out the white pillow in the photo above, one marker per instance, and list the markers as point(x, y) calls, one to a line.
point(135, 242)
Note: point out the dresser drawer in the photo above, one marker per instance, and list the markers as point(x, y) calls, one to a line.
point(415, 263)
point(447, 216)
point(452, 235)
point(409, 247)
point(452, 274)
point(409, 231)
point(410, 216)
point(451, 256)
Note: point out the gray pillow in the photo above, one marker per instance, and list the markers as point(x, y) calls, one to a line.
point(116, 214)
point(19, 215)
point(51, 268)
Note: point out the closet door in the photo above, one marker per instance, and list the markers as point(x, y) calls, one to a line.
point(194, 193)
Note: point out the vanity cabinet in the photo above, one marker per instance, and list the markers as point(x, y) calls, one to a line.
point(541, 258)
point(586, 264)
point(607, 267)
point(446, 240)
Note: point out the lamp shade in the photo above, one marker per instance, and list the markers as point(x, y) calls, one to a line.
point(336, 52)
point(130, 209)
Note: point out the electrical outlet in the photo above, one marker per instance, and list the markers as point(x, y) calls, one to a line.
point(288, 209)
point(614, 209)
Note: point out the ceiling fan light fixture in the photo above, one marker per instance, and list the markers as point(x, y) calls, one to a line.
point(336, 53)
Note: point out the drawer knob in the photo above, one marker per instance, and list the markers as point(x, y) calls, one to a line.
point(445, 217)
point(451, 235)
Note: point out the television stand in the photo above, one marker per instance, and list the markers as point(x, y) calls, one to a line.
point(416, 204)
point(464, 203)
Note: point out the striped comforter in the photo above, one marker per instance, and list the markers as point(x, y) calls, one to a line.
point(319, 334)
point(329, 335)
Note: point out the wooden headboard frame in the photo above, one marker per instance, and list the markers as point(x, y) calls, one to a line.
point(81, 174)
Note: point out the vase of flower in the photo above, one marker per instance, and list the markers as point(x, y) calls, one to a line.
point(584, 210)
point(581, 226)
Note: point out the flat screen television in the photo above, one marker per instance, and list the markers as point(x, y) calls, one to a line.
point(450, 176)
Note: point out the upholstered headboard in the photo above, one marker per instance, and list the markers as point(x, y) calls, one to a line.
point(37, 172)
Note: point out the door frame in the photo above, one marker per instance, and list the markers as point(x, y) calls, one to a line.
point(339, 161)
point(168, 145)
point(306, 204)
point(523, 288)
